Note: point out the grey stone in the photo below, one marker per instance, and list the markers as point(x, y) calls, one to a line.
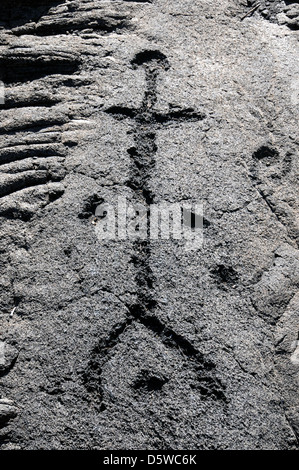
point(8, 356)
point(8, 410)
point(131, 345)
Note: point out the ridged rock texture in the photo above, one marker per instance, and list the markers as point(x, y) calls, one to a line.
point(147, 345)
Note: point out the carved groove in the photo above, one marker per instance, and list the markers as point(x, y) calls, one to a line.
point(143, 311)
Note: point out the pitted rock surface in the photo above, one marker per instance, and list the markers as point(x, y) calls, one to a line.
point(146, 345)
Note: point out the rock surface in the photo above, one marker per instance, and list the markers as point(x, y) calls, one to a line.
point(130, 345)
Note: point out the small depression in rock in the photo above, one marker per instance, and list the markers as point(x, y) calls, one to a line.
point(266, 154)
point(225, 274)
point(149, 382)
